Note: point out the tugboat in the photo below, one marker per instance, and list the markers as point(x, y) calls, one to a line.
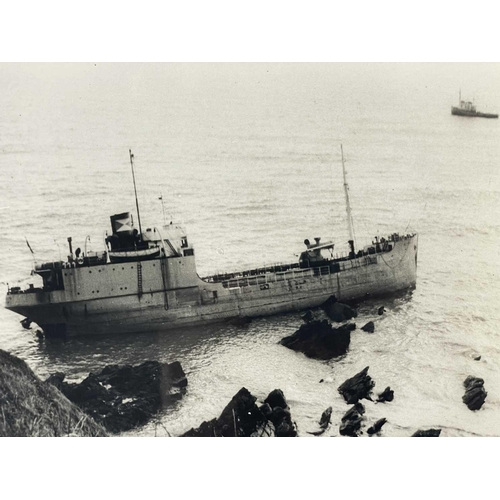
point(147, 281)
point(467, 108)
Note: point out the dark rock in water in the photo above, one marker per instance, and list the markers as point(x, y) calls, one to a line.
point(475, 393)
point(87, 393)
point(281, 416)
point(286, 428)
point(357, 387)
point(321, 381)
point(386, 395)
point(427, 433)
point(276, 398)
point(477, 358)
point(351, 427)
point(381, 310)
point(324, 422)
point(337, 311)
point(351, 421)
point(375, 428)
point(356, 410)
point(308, 316)
point(121, 398)
point(266, 410)
point(369, 327)
point(319, 340)
point(25, 323)
point(242, 418)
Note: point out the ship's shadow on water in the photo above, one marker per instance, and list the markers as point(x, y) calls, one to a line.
point(77, 356)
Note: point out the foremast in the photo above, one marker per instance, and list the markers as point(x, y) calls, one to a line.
point(350, 223)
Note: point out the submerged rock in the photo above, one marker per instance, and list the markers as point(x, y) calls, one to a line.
point(427, 433)
point(381, 310)
point(243, 418)
point(369, 327)
point(376, 427)
point(123, 397)
point(475, 393)
point(337, 311)
point(319, 340)
point(357, 387)
point(386, 395)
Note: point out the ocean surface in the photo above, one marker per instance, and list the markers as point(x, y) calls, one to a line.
point(247, 156)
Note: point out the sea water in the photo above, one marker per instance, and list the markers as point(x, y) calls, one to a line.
point(247, 157)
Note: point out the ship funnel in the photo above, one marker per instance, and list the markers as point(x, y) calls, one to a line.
point(317, 240)
point(122, 223)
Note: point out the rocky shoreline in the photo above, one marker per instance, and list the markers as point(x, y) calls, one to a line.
point(117, 399)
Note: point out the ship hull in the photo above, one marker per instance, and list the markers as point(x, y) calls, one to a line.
point(165, 294)
point(473, 114)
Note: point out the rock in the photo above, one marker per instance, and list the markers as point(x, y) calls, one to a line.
point(357, 387)
point(427, 433)
point(337, 311)
point(475, 393)
point(276, 398)
point(242, 418)
point(324, 421)
point(56, 379)
point(477, 358)
point(386, 395)
point(39, 334)
point(124, 397)
point(356, 410)
point(266, 410)
point(351, 427)
point(321, 381)
point(369, 327)
point(281, 416)
point(286, 429)
point(308, 316)
point(25, 323)
point(351, 421)
point(377, 426)
point(319, 340)
point(381, 310)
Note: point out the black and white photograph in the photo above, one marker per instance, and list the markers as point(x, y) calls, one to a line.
point(215, 247)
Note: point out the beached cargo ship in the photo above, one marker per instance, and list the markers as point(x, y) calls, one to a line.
point(147, 281)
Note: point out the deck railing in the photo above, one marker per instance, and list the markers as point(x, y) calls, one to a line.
point(280, 272)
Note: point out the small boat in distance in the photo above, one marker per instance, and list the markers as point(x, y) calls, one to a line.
point(467, 108)
point(147, 281)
